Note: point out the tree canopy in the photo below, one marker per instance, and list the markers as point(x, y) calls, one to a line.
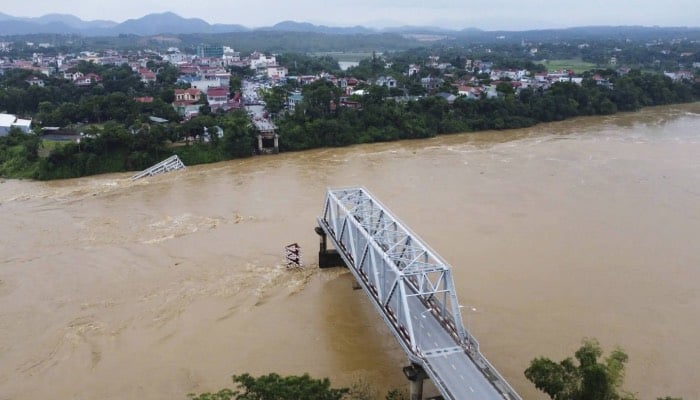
point(589, 380)
point(585, 378)
point(274, 386)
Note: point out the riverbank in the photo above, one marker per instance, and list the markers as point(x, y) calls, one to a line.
point(321, 120)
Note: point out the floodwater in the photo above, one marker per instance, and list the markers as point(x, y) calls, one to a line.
point(112, 289)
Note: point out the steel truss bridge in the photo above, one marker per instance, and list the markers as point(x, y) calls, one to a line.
point(171, 163)
point(412, 289)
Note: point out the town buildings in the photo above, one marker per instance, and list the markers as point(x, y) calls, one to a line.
point(206, 75)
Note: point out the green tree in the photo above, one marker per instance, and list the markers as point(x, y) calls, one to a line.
point(168, 96)
point(238, 138)
point(275, 99)
point(235, 83)
point(505, 88)
point(302, 64)
point(318, 97)
point(167, 73)
point(589, 380)
point(273, 386)
point(18, 152)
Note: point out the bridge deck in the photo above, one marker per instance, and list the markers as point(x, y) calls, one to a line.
point(171, 163)
point(412, 288)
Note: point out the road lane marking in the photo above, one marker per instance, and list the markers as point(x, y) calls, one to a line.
point(462, 376)
point(453, 367)
point(472, 389)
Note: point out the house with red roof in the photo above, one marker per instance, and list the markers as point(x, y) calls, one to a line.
point(470, 92)
point(217, 95)
point(87, 79)
point(186, 102)
point(185, 95)
point(147, 76)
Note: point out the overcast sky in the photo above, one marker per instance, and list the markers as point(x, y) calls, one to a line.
point(490, 14)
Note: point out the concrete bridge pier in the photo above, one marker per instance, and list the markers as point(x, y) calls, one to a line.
point(416, 375)
point(327, 258)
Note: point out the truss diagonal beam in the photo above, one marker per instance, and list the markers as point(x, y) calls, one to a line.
point(411, 287)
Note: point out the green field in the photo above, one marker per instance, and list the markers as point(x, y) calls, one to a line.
point(49, 145)
point(345, 56)
point(575, 64)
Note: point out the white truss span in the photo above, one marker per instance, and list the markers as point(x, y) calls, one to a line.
point(171, 163)
point(413, 290)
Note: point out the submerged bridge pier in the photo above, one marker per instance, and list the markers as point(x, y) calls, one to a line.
point(327, 258)
point(412, 289)
point(416, 376)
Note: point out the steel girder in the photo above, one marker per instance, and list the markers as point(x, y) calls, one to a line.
point(394, 264)
point(405, 280)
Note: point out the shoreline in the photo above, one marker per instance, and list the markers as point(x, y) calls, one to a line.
point(507, 133)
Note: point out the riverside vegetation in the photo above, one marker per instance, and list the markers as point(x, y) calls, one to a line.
point(119, 136)
point(584, 379)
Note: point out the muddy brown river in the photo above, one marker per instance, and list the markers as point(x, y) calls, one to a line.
point(112, 289)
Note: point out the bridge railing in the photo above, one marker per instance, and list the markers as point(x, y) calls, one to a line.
point(405, 278)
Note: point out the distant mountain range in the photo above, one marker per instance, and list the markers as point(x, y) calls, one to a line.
point(170, 23)
point(151, 24)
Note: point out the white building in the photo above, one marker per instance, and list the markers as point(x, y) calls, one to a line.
point(680, 75)
point(176, 58)
point(259, 60)
point(276, 72)
point(386, 81)
point(573, 79)
point(8, 121)
point(231, 56)
point(513, 75)
point(205, 84)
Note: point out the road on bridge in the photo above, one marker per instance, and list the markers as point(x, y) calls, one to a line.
point(453, 367)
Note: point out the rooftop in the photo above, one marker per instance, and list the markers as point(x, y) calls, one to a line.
point(7, 119)
point(217, 91)
point(23, 123)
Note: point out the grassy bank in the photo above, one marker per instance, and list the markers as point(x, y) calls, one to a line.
point(575, 64)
